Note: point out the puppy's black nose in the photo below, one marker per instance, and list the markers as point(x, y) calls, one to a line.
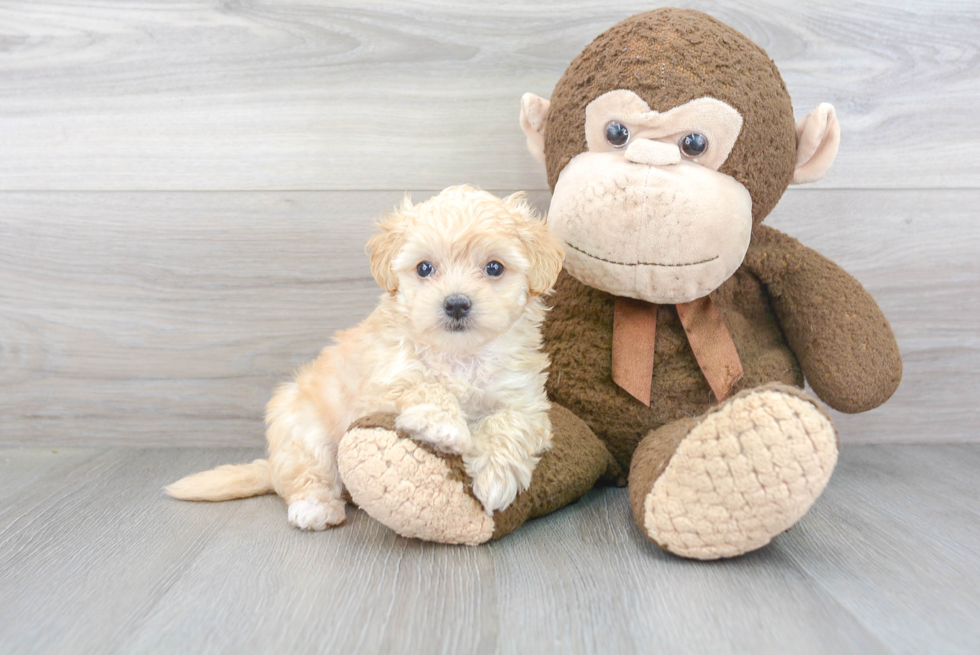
point(457, 306)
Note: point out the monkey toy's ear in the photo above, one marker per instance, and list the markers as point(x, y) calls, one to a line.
point(817, 139)
point(534, 119)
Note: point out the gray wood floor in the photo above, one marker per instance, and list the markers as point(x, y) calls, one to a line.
point(94, 559)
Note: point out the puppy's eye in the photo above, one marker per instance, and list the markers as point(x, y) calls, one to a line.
point(494, 269)
point(425, 269)
point(617, 134)
point(693, 145)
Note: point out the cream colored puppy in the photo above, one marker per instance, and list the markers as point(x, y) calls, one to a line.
point(453, 348)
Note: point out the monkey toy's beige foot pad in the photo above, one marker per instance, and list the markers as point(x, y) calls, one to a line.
point(744, 473)
point(411, 489)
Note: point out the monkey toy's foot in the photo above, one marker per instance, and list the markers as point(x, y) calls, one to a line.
point(426, 494)
point(413, 489)
point(728, 482)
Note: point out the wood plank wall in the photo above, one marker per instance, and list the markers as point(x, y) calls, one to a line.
point(185, 188)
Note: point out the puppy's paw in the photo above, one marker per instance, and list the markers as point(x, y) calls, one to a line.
point(313, 514)
point(497, 481)
point(435, 426)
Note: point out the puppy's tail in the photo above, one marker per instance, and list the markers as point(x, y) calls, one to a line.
point(225, 482)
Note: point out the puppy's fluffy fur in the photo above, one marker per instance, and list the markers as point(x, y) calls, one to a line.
point(454, 351)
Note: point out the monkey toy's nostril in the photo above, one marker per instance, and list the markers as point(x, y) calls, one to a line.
point(457, 306)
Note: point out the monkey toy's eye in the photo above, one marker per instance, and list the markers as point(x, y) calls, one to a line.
point(693, 145)
point(617, 135)
point(424, 269)
point(494, 269)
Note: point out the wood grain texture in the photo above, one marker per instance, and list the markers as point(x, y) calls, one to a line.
point(168, 318)
point(93, 558)
point(900, 530)
point(207, 95)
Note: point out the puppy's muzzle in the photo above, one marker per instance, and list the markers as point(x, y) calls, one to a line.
point(456, 306)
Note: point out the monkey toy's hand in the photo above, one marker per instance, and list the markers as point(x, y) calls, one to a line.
point(839, 335)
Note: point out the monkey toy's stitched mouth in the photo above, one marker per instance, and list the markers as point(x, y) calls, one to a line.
point(610, 261)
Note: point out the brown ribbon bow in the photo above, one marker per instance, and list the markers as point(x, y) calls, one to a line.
point(634, 334)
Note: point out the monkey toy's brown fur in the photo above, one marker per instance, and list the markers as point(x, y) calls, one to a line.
point(708, 478)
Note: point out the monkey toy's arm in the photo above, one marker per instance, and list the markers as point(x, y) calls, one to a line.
point(839, 335)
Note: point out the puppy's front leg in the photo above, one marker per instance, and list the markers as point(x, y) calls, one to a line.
point(432, 414)
point(506, 447)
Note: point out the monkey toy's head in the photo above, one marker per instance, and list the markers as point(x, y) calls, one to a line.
point(666, 141)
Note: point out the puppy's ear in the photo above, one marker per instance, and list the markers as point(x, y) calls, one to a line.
point(546, 254)
point(544, 250)
point(382, 248)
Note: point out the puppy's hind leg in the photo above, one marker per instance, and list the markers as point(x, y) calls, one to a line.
point(303, 459)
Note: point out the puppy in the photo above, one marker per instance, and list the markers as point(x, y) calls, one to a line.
point(453, 348)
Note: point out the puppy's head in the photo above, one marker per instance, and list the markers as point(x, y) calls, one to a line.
point(464, 265)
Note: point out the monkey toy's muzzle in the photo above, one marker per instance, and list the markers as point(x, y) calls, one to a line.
point(665, 233)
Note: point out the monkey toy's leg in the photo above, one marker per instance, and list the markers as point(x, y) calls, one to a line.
point(421, 493)
point(729, 481)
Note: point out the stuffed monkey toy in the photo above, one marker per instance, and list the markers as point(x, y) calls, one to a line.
point(682, 329)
